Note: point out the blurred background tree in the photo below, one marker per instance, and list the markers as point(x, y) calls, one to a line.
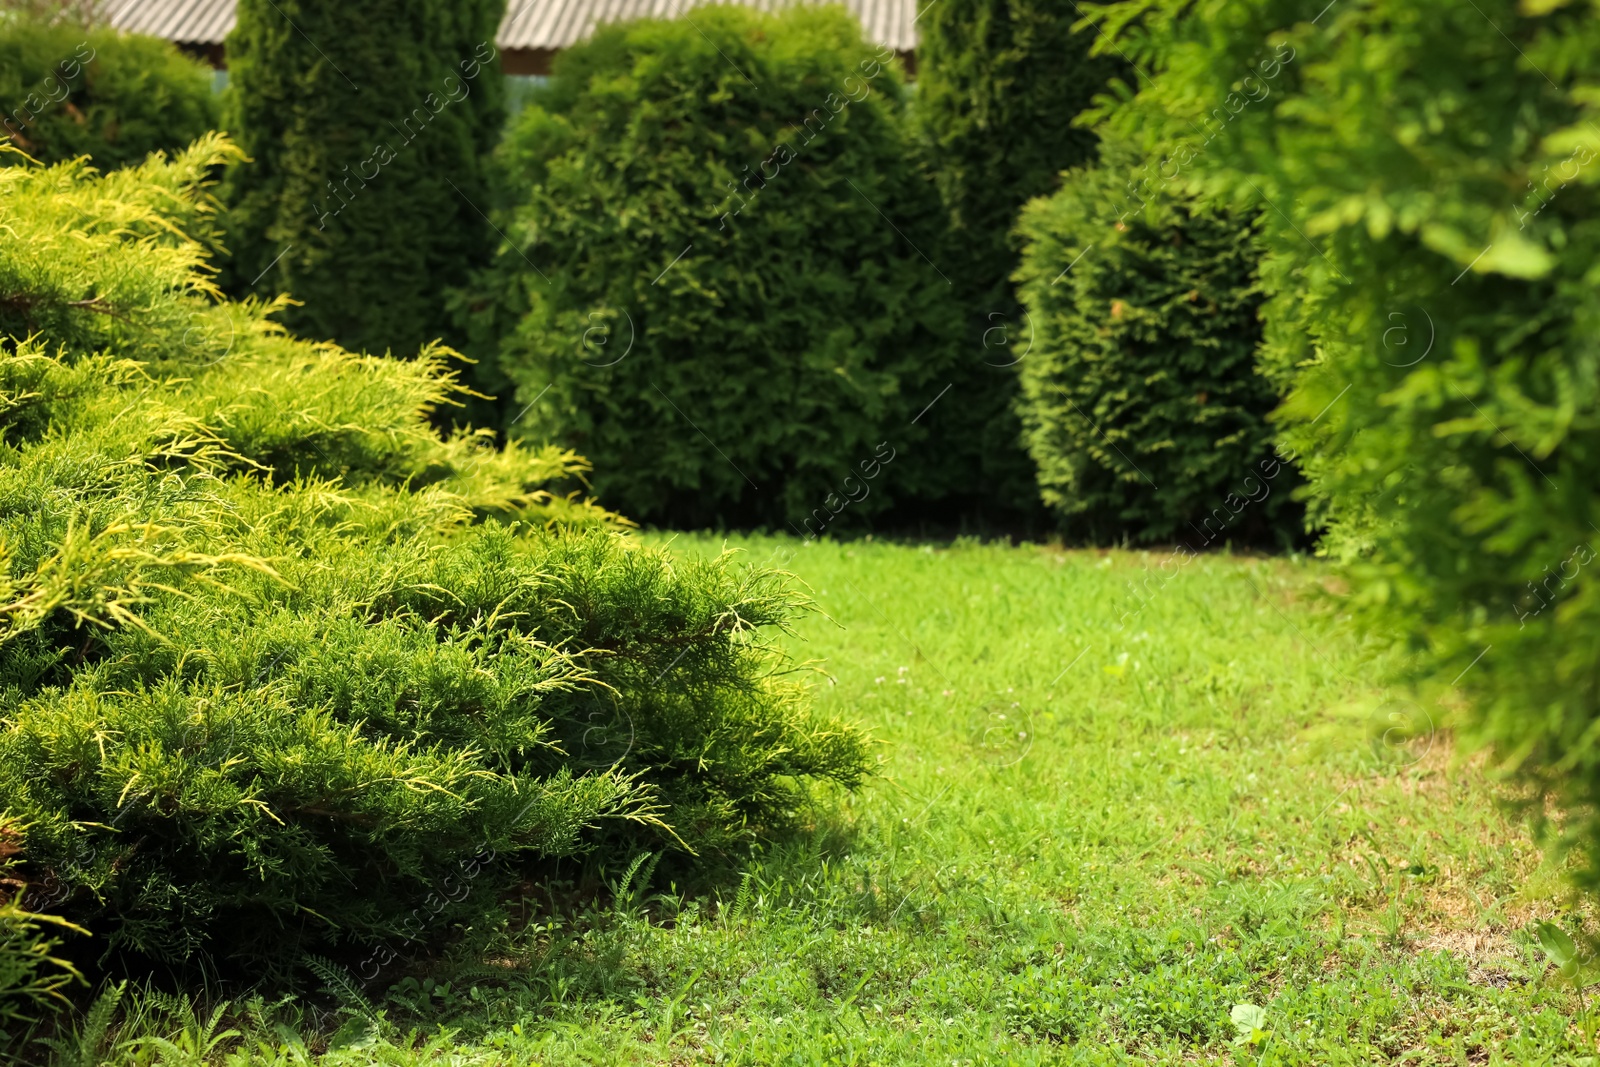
point(55, 12)
point(1141, 403)
point(367, 126)
point(73, 89)
point(715, 289)
point(1432, 224)
point(1000, 86)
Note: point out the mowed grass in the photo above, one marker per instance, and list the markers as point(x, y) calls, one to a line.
point(1104, 820)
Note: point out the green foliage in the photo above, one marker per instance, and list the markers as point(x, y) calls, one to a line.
point(1428, 177)
point(1000, 84)
point(267, 688)
point(368, 126)
point(68, 91)
point(76, 12)
point(29, 973)
point(1167, 849)
point(85, 1046)
point(714, 288)
point(1142, 406)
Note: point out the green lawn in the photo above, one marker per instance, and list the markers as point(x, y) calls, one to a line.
point(1088, 844)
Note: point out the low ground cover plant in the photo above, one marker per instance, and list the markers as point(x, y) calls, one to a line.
point(287, 673)
point(713, 287)
point(32, 976)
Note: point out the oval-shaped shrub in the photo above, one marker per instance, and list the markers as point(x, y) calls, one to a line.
point(716, 287)
point(267, 685)
point(1140, 400)
point(68, 91)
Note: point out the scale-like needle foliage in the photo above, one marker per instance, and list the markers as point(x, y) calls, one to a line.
point(277, 661)
point(29, 974)
point(69, 88)
point(1141, 403)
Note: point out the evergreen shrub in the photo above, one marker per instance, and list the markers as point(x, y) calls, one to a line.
point(285, 671)
point(29, 974)
point(368, 126)
point(1434, 226)
point(1140, 398)
point(714, 288)
point(69, 91)
point(1000, 84)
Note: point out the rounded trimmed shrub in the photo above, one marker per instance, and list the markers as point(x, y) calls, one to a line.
point(69, 91)
point(368, 126)
point(716, 287)
point(1140, 399)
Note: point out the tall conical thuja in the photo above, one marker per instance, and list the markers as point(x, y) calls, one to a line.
point(367, 126)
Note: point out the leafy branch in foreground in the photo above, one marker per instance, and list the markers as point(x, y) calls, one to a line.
point(1431, 318)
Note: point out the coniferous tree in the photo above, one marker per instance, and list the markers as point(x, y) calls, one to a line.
point(325, 658)
point(1141, 404)
point(367, 127)
point(1431, 317)
point(999, 85)
point(799, 327)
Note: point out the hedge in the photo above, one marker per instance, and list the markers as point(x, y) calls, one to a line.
point(1141, 402)
point(1433, 231)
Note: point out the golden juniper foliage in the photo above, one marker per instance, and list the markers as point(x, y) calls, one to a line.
point(271, 664)
point(27, 969)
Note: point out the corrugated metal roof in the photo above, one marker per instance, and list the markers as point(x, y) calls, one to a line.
point(529, 24)
point(184, 21)
point(560, 23)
